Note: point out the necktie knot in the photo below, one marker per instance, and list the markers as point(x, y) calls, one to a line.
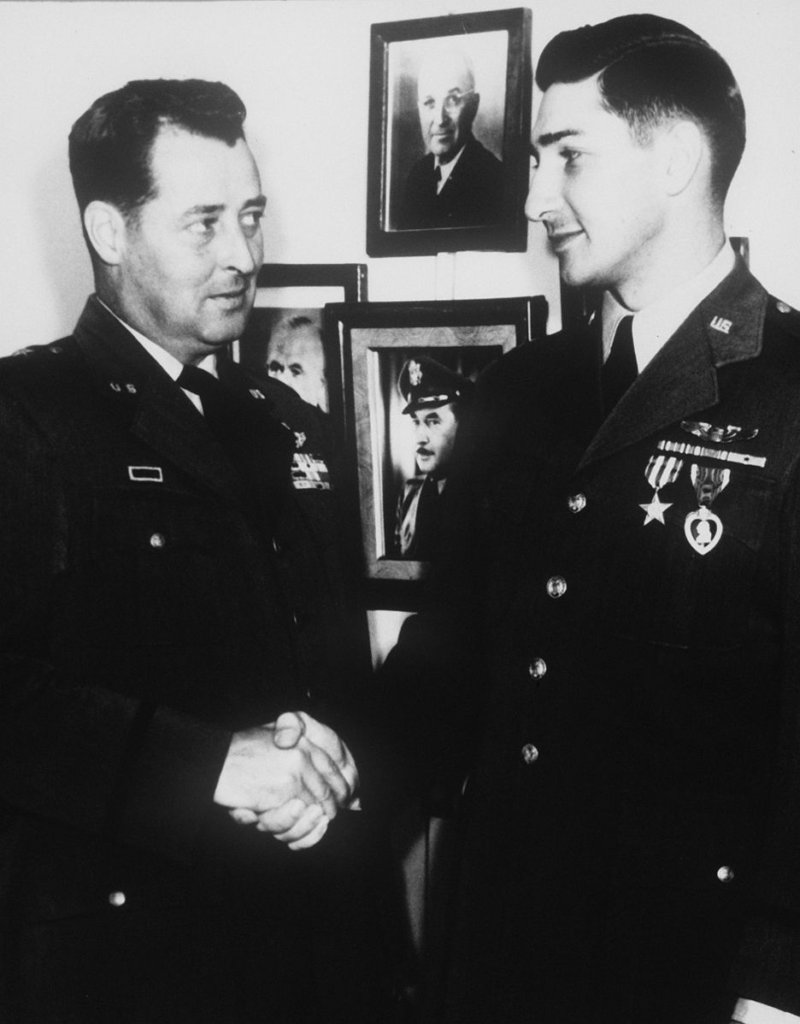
point(619, 369)
point(199, 382)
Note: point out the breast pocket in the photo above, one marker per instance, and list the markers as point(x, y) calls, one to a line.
point(693, 580)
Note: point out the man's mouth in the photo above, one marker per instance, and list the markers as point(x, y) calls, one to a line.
point(559, 240)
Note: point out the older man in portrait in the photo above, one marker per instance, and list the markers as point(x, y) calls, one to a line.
point(459, 182)
point(295, 356)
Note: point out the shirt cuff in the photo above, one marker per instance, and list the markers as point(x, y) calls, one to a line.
point(749, 1012)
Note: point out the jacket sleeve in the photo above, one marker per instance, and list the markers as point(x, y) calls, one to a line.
point(767, 970)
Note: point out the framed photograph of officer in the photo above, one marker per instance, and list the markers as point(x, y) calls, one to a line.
point(286, 335)
point(412, 372)
point(449, 123)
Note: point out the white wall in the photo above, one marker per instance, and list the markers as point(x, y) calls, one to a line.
point(302, 67)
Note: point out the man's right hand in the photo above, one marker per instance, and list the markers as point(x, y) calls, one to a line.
point(284, 781)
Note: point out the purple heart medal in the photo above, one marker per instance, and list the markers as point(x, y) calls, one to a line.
point(703, 528)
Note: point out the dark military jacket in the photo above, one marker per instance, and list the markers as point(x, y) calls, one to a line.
point(150, 604)
point(620, 682)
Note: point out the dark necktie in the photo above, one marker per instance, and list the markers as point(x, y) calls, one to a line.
point(219, 406)
point(619, 370)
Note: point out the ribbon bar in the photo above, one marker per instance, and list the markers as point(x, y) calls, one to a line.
point(697, 450)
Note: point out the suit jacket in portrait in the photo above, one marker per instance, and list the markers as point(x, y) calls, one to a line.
point(472, 195)
point(622, 686)
point(150, 605)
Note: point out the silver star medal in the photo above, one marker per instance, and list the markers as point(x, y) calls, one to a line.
point(703, 528)
point(661, 471)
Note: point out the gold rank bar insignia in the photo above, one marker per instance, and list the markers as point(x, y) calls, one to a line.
point(700, 451)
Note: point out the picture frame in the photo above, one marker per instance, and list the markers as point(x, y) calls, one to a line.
point(415, 67)
point(377, 341)
point(290, 300)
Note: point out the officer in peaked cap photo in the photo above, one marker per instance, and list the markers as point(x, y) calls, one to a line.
point(435, 398)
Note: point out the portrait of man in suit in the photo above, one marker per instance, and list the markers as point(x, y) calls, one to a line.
point(459, 181)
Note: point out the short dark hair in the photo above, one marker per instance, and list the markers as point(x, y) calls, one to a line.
point(110, 144)
point(652, 69)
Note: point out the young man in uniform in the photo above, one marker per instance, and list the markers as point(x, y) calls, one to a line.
point(613, 650)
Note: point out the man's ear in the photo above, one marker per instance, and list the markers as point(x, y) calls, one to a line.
point(685, 146)
point(106, 230)
point(474, 101)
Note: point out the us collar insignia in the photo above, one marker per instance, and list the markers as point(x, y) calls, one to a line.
point(719, 435)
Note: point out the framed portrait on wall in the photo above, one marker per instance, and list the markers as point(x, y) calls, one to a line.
point(285, 334)
point(411, 368)
point(449, 124)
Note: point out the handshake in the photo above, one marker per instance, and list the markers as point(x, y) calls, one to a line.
point(289, 778)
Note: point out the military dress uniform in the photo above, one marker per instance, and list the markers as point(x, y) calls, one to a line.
point(612, 653)
point(152, 602)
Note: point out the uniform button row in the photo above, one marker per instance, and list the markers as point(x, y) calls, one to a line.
point(556, 586)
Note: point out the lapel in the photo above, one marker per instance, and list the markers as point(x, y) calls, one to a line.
point(156, 410)
point(726, 327)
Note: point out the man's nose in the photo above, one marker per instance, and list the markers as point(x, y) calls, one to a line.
point(240, 250)
point(544, 193)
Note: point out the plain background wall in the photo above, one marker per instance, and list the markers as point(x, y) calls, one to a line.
point(302, 67)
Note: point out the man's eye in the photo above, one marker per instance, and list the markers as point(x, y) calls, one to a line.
point(203, 227)
point(251, 221)
point(570, 156)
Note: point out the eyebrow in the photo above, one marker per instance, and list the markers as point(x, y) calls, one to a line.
point(551, 138)
point(207, 210)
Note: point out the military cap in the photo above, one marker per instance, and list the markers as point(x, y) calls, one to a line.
point(426, 384)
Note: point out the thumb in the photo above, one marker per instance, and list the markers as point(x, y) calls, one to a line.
point(289, 728)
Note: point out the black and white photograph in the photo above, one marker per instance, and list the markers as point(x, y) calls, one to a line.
point(425, 652)
point(413, 368)
point(449, 101)
point(285, 333)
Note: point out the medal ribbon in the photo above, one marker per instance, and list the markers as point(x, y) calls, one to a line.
point(662, 470)
point(708, 482)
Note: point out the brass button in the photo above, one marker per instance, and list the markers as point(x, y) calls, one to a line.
point(556, 586)
point(576, 502)
point(157, 540)
point(117, 899)
point(537, 668)
point(725, 874)
point(783, 307)
point(530, 753)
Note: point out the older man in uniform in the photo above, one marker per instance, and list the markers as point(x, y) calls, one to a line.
point(435, 401)
point(170, 585)
point(613, 649)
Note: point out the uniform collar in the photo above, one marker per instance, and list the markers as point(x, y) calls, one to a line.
point(166, 360)
point(656, 323)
